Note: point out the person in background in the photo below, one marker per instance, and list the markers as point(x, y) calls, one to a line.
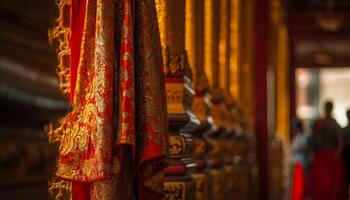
point(327, 178)
point(346, 154)
point(299, 144)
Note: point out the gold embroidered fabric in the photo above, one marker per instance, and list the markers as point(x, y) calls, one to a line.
point(85, 150)
point(114, 139)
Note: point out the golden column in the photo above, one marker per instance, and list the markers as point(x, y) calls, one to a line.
point(179, 183)
point(234, 25)
point(240, 169)
point(226, 77)
point(280, 142)
point(242, 87)
point(246, 49)
point(283, 101)
point(217, 106)
point(194, 45)
point(282, 85)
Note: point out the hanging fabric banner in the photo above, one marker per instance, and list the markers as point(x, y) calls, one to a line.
point(113, 140)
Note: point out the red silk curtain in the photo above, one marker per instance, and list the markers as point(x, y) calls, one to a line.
point(114, 143)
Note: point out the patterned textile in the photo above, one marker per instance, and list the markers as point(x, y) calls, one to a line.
point(115, 137)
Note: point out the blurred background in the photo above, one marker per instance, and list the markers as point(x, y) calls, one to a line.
point(29, 98)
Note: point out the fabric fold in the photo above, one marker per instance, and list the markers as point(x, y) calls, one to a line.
point(151, 115)
point(115, 138)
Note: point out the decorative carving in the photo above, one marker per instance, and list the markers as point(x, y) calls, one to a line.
point(174, 191)
point(175, 65)
point(177, 146)
point(182, 122)
point(175, 97)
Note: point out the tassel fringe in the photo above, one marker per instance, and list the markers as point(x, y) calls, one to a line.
point(60, 189)
point(61, 33)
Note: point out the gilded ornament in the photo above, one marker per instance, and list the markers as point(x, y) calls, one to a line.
point(177, 146)
point(174, 190)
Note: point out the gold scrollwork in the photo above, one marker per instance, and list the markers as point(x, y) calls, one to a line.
point(175, 96)
point(174, 191)
point(177, 145)
point(177, 65)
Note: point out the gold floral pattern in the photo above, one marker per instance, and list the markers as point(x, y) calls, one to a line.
point(116, 131)
point(151, 115)
point(85, 150)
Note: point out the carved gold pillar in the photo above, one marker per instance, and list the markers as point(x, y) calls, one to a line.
point(194, 45)
point(182, 122)
point(280, 140)
point(217, 106)
point(226, 77)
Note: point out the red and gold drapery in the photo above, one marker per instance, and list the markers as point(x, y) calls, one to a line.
point(114, 139)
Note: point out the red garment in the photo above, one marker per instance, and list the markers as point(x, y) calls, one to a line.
point(114, 144)
point(77, 19)
point(298, 184)
point(327, 181)
point(80, 191)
